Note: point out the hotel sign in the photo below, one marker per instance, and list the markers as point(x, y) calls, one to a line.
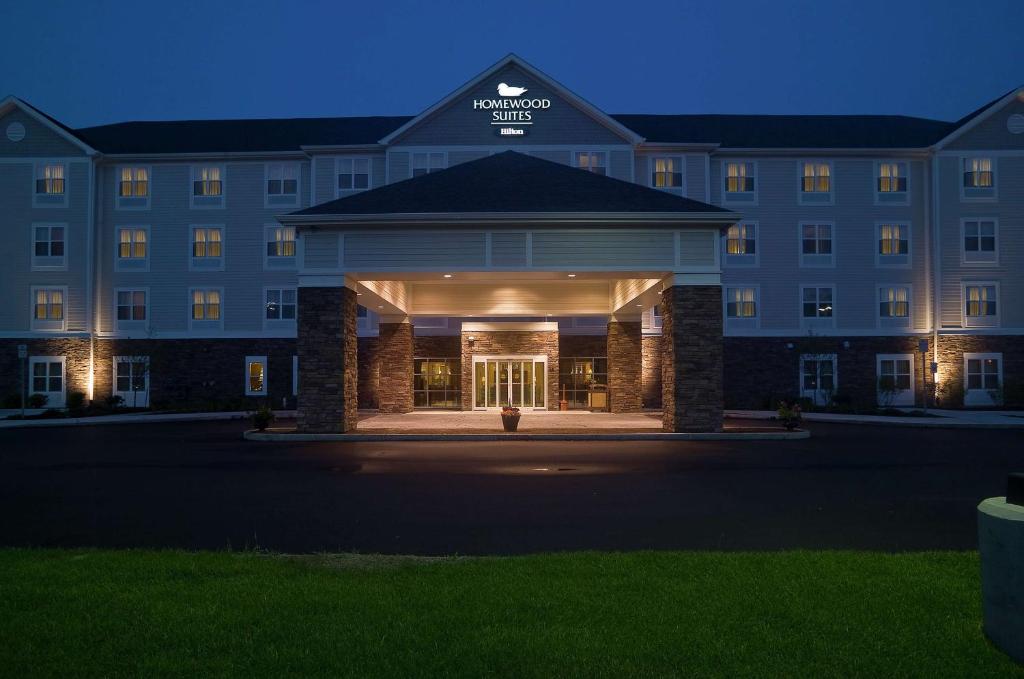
point(511, 112)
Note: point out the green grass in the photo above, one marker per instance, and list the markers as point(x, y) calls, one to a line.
point(91, 613)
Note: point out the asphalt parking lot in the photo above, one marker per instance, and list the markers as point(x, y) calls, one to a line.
point(200, 486)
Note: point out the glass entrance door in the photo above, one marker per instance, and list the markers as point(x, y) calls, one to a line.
point(513, 381)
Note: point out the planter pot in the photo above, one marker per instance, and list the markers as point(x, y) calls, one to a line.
point(510, 422)
point(563, 405)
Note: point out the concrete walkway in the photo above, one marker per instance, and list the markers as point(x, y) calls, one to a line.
point(531, 420)
point(961, 419)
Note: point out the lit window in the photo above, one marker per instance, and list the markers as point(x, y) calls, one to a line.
point(978, 173)
point(131, 305)
point(667, 173)
point(425, 163)
point(979, 241)
point(207, 182)
point(817, 303)
point(741, 239)
point(280, 304)
point(817, 178)
point(892, 178)
point(894, 302)
point(50, 180)
point(282, 179)
point(739, 178)
point(131, 243)
point(980, 301)
point(354, 174)
point(893, 239)
point(255, 375)
point(134, 182)
point(49, 304)
point(48, 246)
point(281, 241)
point(206, 305)
point(206, 242)
point(592, 161)
point(741, 303)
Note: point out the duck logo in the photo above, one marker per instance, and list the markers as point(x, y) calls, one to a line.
point(511, 112)
point(509, 91)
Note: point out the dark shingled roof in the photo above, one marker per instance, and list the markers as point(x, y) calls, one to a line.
point(509, 182)
point(226, 136)
point(768, 131)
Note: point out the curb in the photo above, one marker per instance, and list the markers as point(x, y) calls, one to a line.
point(124, 419)
point(253, 435)
point(921, 423)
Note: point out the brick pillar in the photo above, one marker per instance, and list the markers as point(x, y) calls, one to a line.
point(625, 366)
point(394, 356)
point(328, 374)
point(692, 358)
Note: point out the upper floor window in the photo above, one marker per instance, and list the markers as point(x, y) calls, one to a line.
point(980, 241)
point(425, 163)
point(132, 248)
point(740, 181)
point(979, 180)
point(207, 247)
point(741, 239)
point(894, 302)
point(48, 247)
point(280, 246)
point(592, 161)
point(816, 245)
point(893, 245)
point(980, 304)
point(818, 302)
point(48, 308)
point(741, 303)
point(207, 186)
point(50, 185)
point(667, 172)
point(282, 183)
point(891, 182)
point(354, 174)
point(280, 304)
point(131, 305)
point(134, 182)
point(815, 182)
point(206, 305)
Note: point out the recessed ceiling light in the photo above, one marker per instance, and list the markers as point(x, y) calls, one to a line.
point(447, 275)
point(381, 306)
point(639, 305)
point(572, 275)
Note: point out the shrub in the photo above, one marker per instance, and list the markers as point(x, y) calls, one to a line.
point(790, 415)
point(37, 400)
point(51, 414)
point(114, 401)
point(76, 401)
point(262, 418)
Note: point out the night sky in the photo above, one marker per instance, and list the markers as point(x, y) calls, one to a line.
point(91, 62)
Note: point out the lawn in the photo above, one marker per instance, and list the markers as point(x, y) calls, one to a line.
point(92, 613)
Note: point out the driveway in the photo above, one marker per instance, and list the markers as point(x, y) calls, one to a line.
point(200, 486)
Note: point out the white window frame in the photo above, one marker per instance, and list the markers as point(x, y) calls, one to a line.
point(680, 160)
point(894, 321)
point(271, 323)
point(37, 170)
point(48, 325)
point(590, 153)
point(193, 261)
point(132, 263)
point(249, 360)
point(35, 259)
point(904, 166)
point(122, 202)
point(132, 323)
point(818, 321)
point(279, 262)
point(812, 264)
point(903, 397)
point(132, 399)
point(984, 194)
point(32, 361)
point(725, 183)
point(983, 396)
point(818, 395)
point(208, 202)
point(979, 321)
point(800, 193)
point(430, 164)
point(338, 191)
point(743, 260)
point(887, 261)
point(204, 323)
point(267, 168)
point(964, 261)
point(742, 321)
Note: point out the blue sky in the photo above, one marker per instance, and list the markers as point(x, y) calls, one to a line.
point(93, 62)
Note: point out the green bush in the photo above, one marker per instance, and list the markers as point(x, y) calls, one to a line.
point(262, 418)
point(114, 401)
point(37, 400)
point(76, 401)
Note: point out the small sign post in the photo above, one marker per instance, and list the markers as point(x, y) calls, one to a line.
point(22, 355)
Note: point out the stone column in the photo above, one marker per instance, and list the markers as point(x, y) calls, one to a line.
point(327, 349)
point(394, 355)
point(691, 367)
point(625, 366)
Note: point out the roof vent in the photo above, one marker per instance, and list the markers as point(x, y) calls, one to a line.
point(1015, 124)
point(16, 131)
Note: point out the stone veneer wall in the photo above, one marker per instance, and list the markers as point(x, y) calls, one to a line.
point(951, 365)
point(510, 342)
point(369, 372)
point(691, 368)
point(651, 371)
point(394, 355)
point(437, 346)
point(328, 372)
point(625, 366)
point(76, 363)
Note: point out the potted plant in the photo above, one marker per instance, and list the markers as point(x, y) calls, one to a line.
point(790, 415)
point(262, 418)
point(510, 418)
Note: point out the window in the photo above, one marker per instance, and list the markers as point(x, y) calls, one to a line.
point(894, 302)
point(895, 380)
point(425, 163)
point(656, 319)
point(740, 182)
point(134, 182)
point(577, 375)
point(131, 305)
point(50, 185)
point(282, 179)
point(437, 383)
point(592, 161)
point(980, 241)
point(980, 304)
point(48, 308)
point(131, 380)
point(255, 375)
point(353, 174)
point(741, 303)
point(815, 182)
point(280, 304)
point(48, 247)
point(667, 173)
point(983, 379)
point(741, 239)
point(207, 248)
point(818, 302)
point(818, 377)
point(891, 182)
point(979, 180)
point(280, 246)
point(207, 186)
point(893, 244)
point(206, 305)
point(47, 378)
point(132, 248)
point(816, 245)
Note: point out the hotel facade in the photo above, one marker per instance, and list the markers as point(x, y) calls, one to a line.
point(515, 245)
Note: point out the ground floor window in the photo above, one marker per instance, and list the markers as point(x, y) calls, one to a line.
point(983, 379)
point(437, 383)
point(47, 377)
point(131, 380)
point(255, 375)
point(895, 380)
point(818, 377)
point(577, 375)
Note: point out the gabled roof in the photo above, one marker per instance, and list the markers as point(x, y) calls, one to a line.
point(788, 131)
point(514, 60)
point(46, 120)
point(976, 116)
point(511, 183)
